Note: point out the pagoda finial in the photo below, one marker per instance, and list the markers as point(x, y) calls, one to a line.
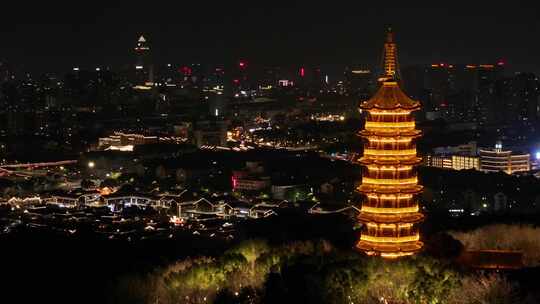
point(390, 63)
point(389, 35)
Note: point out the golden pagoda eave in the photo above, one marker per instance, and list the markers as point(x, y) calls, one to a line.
point(367, 106)
point(390, 97)
point(406, 218)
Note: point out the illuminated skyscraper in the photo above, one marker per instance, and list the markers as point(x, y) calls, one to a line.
point(390, 212)
point(142, 50)
point(144, 70)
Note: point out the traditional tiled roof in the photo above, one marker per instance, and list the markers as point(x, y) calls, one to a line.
point(390, 97)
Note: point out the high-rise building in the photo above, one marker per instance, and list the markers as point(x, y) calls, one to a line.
point(390, 212)
point(144, 69)
point(481, 79)
point(359, 81)
point(517, 98)
point(413, 84)
point(456, 92)
point(440, 83)
point(142, 51)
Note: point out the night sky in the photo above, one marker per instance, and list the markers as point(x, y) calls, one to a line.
point(48, 36)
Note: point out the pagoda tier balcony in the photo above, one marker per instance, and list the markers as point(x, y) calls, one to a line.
point(399, 197)
point(390, 239)
point(394, 141)
point(390, 200)
point(388, 137)
point(391, 210)
point(392, 175)
point(401, 182)
point(390, 132)
point(377, 168)
point(390, 142)
point(390, 153)
point(389, 117)
point(389, 145)
point(390, 250)
point(390, 113)
point(400, 125)
point(390, 215)
point(390, 161)
point(389, 189)
point(375, 171)
point(386, 201)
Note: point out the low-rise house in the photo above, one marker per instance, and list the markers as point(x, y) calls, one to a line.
point(72, 199)
point(64, 200)
point(319, 208)
point(261, 211)
point(26, 201)
point(173, 198)
point(117, 201)
point(272, 203)
point(238, 209)
point(225, 207)
point(198, 209)
point(169, 201)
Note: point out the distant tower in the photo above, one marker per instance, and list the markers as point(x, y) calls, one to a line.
point(144, 69)
point(142, 50)
point(390, 212)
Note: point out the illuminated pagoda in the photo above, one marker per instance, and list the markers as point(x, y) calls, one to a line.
point(390, 212)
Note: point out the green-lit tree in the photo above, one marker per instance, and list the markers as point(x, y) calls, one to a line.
point(432, 282)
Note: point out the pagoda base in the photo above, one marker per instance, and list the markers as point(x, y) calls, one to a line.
point(390, 250)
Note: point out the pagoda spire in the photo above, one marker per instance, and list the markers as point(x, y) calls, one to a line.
point(390, 96)
point(390, 59)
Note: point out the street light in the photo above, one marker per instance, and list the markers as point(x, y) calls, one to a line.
point(91, 164)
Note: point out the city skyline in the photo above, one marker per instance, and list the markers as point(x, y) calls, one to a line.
point(290, 34)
